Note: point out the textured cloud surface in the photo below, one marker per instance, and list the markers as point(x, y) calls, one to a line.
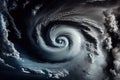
point(65, 40)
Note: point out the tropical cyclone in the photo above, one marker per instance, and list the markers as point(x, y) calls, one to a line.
point(60, 39)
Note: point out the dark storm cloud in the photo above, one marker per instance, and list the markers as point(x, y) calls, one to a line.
point(60, 39)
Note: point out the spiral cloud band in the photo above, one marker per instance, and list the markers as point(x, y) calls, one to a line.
point(65, 40)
